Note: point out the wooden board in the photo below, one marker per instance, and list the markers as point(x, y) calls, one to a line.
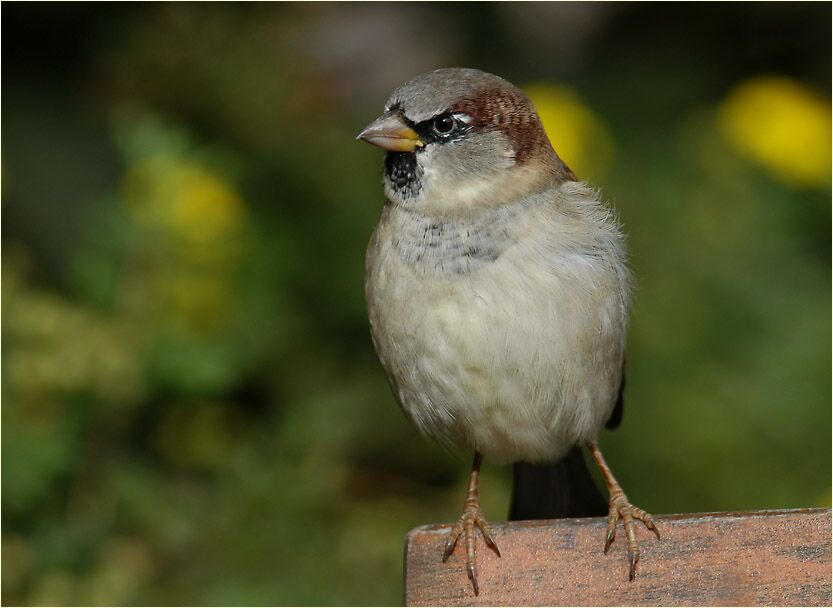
point(723, 559)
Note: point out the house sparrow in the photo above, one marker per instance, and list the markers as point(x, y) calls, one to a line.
point(498, 296)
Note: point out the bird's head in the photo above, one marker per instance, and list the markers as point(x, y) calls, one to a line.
point(460, 140)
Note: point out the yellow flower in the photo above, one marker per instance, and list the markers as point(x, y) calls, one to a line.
point(193, 234)
point(187, 199)
point(781, 124)
point(207, 207)
point(579, 137)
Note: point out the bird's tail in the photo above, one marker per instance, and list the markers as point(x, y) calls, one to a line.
point(552, 491)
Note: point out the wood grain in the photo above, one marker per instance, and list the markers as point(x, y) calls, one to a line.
point(722, 559)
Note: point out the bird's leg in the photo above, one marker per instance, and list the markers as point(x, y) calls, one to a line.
point(620, 507)
point(471, 519)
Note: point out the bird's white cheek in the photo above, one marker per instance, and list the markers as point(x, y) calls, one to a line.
point(458, 191)
point(448, 190)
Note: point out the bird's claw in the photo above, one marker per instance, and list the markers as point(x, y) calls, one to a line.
point(611, 534)
point(621, 508)
point(471, 519)
point(633, 558)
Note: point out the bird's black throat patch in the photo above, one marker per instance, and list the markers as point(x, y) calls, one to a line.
point(403, 172)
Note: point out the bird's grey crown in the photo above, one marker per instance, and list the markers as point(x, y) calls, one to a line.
point(435, 92)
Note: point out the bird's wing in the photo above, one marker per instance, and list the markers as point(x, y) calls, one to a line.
point(616, 415)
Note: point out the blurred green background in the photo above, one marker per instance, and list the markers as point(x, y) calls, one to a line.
point(192, 408)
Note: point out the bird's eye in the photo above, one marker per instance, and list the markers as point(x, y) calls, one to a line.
point(444, 124)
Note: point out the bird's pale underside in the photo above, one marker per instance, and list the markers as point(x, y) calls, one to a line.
point(496, 285)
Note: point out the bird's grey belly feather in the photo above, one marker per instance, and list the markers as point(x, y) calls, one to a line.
point(499, 332)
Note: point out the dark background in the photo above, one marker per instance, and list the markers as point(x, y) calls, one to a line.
point(192, 409)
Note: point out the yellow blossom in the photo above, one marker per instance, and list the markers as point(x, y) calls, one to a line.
point(579, 137)
point(783, 125)
point(193, 225)
point(187, 199)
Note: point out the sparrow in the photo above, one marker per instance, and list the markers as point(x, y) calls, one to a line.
point(497, 292)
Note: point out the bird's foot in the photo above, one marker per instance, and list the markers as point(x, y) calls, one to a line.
point(471, 519)
point(621, 508)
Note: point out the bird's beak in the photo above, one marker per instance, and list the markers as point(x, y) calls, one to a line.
point(390, 132)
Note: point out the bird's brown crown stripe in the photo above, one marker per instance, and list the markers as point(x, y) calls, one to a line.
point(512, 113)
